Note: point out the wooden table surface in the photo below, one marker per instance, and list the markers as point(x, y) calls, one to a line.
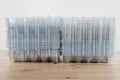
point(63, 71)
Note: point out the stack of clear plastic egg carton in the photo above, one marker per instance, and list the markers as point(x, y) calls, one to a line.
point(58, 39)
point(34, 39)
point(88, 39)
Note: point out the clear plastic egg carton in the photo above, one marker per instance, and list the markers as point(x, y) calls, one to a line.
point(58, 39)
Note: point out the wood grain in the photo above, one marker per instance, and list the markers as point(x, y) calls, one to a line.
point(63, 71)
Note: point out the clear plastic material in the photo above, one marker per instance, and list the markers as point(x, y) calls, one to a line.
point(58, 39)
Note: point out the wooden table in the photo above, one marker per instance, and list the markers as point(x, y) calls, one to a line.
point(63, 71)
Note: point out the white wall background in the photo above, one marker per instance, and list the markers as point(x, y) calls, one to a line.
point(94, 8)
